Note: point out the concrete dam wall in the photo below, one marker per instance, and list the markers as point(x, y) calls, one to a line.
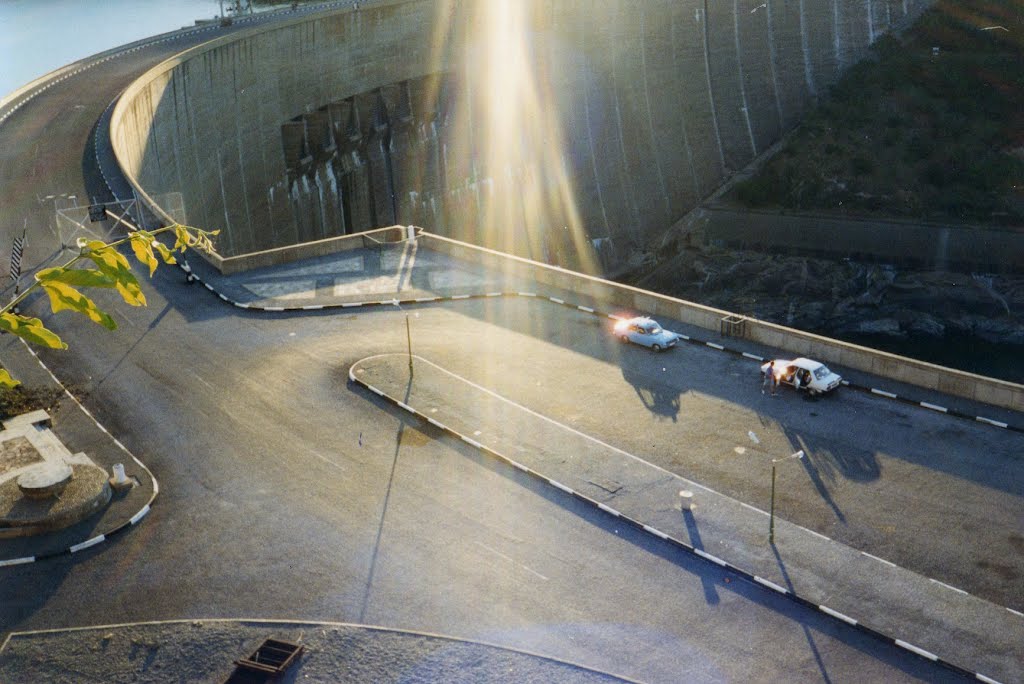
point(538, 128)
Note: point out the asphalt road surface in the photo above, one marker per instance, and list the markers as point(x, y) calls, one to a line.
point(286, 493)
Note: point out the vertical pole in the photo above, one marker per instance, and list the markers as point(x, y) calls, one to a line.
point(408, 338)
point(771, 516)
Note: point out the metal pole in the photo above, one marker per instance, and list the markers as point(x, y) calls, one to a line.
point(408, 338)
point(771, 516)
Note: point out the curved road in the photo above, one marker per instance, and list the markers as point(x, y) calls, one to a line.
point(285, 493)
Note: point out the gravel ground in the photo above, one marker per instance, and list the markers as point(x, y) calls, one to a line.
point(204, 651)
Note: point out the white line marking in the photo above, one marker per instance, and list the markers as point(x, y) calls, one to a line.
point(817, 534)
point(17, 561)
point(615, 318)
point(200, 379)
point(426, 299)
point(753, 508)
point(459, 297)
point(408, 408)
point(883, 393)
point(609, 509)
point(708, 556)
point(771, 585)
point(1016, 612)
point(656, 533)
point(684, 337)
point(933, 407)
point(86, 544)
point(436, 424)
point(312, 307)
point(534, 572)
point(556, 300)
point(836, 614)
point(527, 294)
point(561, 486)
point(915, 649)
point(690, 483)
point(472, 442)
point(585, 308)
point(715, 346)
point(997, 423)
point(753, 356)
point(520, 466)
point(880, 560)
point(328, 461)
point(140, 515)
point(987, 680)
point(947, 586)
point(273, 308)
point(350, 304)
point(493, 294)
point(495, 552)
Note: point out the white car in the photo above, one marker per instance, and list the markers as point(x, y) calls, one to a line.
point(813, 376)
point(645, 331)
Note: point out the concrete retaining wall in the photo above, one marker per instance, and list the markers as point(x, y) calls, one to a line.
point(657, 101)
point(941, 247)
point(901, 369)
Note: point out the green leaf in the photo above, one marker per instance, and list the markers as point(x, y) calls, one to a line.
point(79, 277)
point(142, 245)
point(30, 330)
point(113, 265)
point(64, 296)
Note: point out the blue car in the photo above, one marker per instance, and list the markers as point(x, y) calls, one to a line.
point(647, 332)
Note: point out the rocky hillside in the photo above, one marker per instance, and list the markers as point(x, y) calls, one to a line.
point(847, 298)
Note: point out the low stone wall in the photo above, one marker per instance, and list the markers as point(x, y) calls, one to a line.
point(902, 369)
point(305, 250)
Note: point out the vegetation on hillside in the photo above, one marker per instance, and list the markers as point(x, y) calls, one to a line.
point(916, 132)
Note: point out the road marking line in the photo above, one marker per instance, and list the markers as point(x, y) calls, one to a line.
point(436, 424)
point(883, 393)
point(987, 680)
point(656, 533)
point(408, 408)
point(585, 308)
point(312, 307)
point(816, 534)
point(534, 572)
point(918, 651)
point(1015, 612)
point(495, 552)
point(493, 294)
point(836, 614)
point(715, 346)
point(947, 586)
point(472, 442)
point(753, 356)
point(17, 561)
point(753, 508)
point(708, 556)
point(459, 297)
point(997, 423)
point(771, 585)
point(556, 300)
point(880, 560)
point(273, 308)
point(608, 509)
point(684, 337)
point(690, 484)
point(349, 304)
point(933, 407)
point(426, 299)
point(561, 486)
point(527, 294)
point(86, 544)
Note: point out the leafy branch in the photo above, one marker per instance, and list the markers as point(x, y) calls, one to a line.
point(108, 269)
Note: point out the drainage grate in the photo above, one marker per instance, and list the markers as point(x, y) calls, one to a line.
point(268, 661)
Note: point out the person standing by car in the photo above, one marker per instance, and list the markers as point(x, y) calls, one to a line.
point(769, 378)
